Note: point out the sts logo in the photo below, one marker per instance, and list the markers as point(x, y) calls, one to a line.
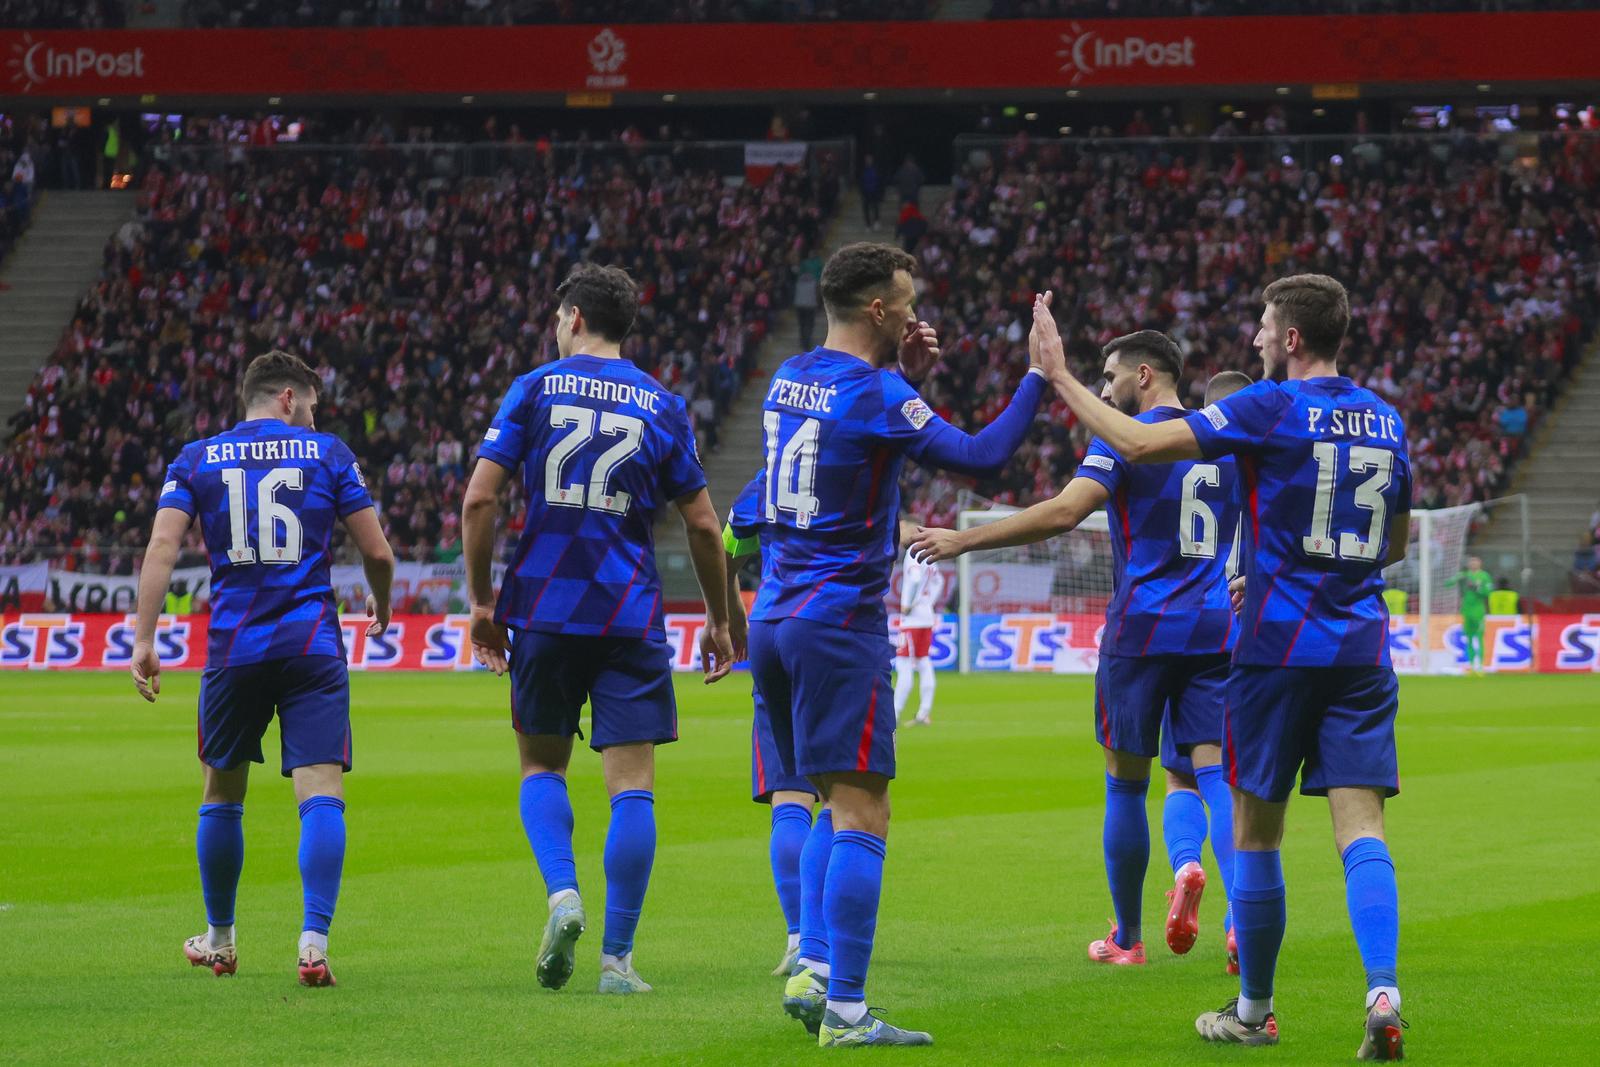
point(40, 642)
point(1579, 649)
point(371, 653)
point(448, 645)
point(172, 642)
point(1021, 642)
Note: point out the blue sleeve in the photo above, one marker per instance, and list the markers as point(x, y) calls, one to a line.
point(748, 516)
point(681, 473)
point(175, 489)
point(1241, 422)
point(507, 435)
point(928, 439)
point(1102, 464)
point(350, 485)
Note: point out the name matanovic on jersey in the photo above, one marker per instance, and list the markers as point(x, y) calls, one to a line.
point(1325, 467)
point(601, 447)
point(267, 495)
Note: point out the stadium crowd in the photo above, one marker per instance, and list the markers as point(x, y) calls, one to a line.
point(416, 295)
point(63, 14)
point(1110, 9)
point(1472, 277)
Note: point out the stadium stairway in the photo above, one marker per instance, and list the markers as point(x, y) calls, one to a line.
point(1562, 480)
point(57, 259)
point(738, 456)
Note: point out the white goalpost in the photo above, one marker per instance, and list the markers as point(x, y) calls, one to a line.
point(1052, 596)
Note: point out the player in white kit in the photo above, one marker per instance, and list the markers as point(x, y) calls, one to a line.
point(921, 590)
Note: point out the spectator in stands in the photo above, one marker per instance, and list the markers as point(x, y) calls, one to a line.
point(806, 282)
point(871, 192)
point(908, 182)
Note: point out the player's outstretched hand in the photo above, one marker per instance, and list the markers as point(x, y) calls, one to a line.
point(1045, 349)
point(933, 546)
point(919, 351)
point(380, 618)
point(488, 640)
point(1236, 594)
point(716, 653)
point(145, 667)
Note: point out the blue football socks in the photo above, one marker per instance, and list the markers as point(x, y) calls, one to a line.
point(791, 826)
point(321, 859)
point(219, 843)
point(850, 900)
point(1374, 902)
point(547, 820)
point(1259, 916)
point(1219, 805)
point(630, 853)
point(1183, 826)
point(814, 860)
point(1126, 839)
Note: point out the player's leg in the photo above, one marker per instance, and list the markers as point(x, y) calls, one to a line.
point(1472, 632)
point(632, 710)
point(1196, 713)
point(1268, 727)
point(313, 698)
point(1183, 828)
point(791, 799)
point(549, 677)
point(844, 741)
point(904, 676)
point(921, 650)
point(1218, 797)
point(231, 720)
point(1355, 765)
point(791, 829)
point(1129, 701)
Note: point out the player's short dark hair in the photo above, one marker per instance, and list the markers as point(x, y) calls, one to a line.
point(1314, 304)
point(1148, 346)
point(858, 272)
point(272, 372)
point(1224, 384)
point(606, 295)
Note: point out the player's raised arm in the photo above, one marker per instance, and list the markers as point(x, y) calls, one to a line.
point(1137, 442)
point(480, 511)
point(1044, 520)
point(707, 554)
point(160, 556)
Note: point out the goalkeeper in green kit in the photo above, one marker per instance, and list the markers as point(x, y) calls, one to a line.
point(1476, 585)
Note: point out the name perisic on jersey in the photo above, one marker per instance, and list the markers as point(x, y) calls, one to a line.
point(270, 449)
point(1337, 422)
point(802, 395)
point(602, 389)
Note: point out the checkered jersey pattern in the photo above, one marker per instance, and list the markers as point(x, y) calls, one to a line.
point(602, 447)
point(268, 495)
point(837, 432)
point(1324, 467)
point(1172, 529)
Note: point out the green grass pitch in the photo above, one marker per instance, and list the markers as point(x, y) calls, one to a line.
point(994, 885)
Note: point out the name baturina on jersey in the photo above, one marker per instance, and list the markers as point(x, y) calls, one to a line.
point(285, 448)
point(602, 389)
point(803, 395)
point(1349, 422)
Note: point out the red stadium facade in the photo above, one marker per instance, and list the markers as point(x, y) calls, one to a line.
point(814, 58)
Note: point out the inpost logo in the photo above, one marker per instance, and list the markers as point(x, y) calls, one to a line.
point(35, 62)
point(1083, 52)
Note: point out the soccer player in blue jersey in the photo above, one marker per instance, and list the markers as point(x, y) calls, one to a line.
point(1327, 480)
point(838, 423)
point(790, 796)
point(268, 493)
point(602, 447)
point(1164, 649)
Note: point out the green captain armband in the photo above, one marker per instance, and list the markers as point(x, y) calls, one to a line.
point(739, 547)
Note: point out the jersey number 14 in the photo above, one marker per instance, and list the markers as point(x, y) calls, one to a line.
point(792, 472)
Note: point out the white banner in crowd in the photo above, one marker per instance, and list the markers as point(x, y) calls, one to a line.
point(75, 591)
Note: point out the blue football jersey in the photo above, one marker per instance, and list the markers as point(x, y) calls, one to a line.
point(1323, 466)
point(1172, 527)
point(836, 433)
point(268, 495)
point(602, 447)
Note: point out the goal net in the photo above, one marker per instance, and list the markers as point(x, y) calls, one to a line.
point(1041, 607)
